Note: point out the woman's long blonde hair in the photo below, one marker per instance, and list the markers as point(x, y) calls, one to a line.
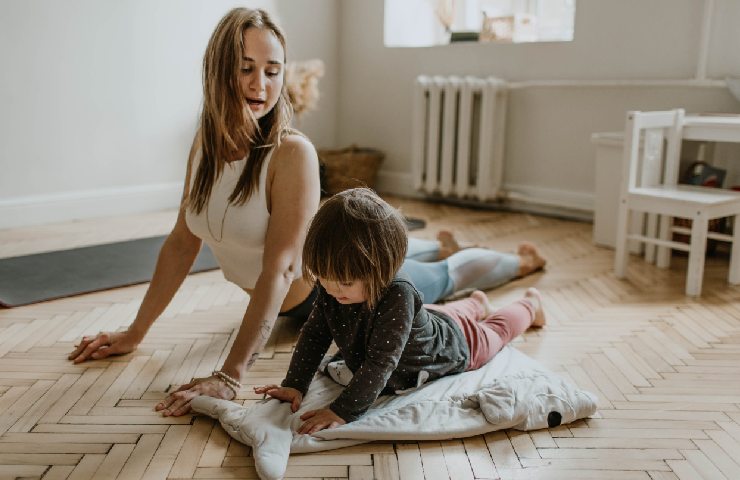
point(226, 123)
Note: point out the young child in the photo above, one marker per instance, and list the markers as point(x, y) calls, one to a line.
point(389, 340)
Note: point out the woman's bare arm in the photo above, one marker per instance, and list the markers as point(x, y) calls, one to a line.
point(293, 199)
point(175, 259)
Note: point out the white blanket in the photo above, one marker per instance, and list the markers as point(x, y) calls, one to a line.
point(512, 391)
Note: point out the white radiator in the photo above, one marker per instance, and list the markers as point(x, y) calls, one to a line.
point(458, 136)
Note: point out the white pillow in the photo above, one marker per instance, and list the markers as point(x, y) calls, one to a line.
point(512, 391)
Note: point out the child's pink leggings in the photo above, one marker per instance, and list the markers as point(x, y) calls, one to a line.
point(489, 335)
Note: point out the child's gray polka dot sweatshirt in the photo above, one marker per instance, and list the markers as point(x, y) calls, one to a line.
point(385, 348)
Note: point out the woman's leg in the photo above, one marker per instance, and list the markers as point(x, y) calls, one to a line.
point(477, 268)
point(470, 268)
point(432, 279)
point(433, 250)
point(423, 250)
point(482, 269)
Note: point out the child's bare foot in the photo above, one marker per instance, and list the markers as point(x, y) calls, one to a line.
point(530, 259)
point(482, 298)
point(535, 298)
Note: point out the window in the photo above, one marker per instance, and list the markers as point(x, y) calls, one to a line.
point(423, 23)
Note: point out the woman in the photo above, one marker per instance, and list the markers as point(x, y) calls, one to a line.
point(251, 188)
point(246, 168)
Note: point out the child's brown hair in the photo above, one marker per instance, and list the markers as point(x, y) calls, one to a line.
point(356, 235)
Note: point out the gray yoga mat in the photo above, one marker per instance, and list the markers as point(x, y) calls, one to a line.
point(46, 276)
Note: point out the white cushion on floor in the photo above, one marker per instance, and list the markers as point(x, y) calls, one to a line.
point(512, 391)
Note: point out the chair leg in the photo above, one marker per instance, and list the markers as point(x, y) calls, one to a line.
point(734, 277)
point(636, 224)
point(651, 231)
point(620, 253)
point(664, 253)
point(697, 253)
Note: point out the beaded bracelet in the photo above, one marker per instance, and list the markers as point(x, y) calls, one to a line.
point(228, 380)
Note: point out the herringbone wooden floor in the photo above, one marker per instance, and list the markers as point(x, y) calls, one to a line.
point(665, 368)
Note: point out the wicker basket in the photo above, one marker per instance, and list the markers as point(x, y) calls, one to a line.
point(349, 168)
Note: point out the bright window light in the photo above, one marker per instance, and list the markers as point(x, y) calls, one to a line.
point(423, 23)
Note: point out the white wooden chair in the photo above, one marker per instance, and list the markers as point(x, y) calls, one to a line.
point(650, 186)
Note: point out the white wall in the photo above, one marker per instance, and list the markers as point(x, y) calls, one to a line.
point(548, 128)
point(99, 99)
point(311, 28)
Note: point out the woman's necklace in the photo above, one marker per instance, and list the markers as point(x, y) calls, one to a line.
point(223, 219)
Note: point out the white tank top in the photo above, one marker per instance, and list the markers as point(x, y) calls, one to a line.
point(237, 232)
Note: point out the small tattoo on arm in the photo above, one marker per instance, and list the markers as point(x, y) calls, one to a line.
point(252, 359)
point(266, 330)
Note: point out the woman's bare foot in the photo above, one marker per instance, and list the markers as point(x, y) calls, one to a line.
point(535, 299)
point(530, 259)
point(482, 298)
point(447, 244)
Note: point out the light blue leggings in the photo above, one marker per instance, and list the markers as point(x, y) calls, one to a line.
point(478, 268)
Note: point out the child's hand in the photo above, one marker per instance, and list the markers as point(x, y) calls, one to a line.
point(316, 420)
point(284, 394)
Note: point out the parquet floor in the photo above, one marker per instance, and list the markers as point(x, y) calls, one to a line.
point(665, 368)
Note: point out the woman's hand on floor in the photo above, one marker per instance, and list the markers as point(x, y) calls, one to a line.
point(178, 402)
point(103, 345)
point(321, 419)
point(284, 394)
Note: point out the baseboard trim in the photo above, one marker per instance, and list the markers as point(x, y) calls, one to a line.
point(550, 197)
point(517, 197)
point(66, 206)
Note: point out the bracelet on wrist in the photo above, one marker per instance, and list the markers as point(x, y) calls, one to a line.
point(230, 387)
point(230, 382)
